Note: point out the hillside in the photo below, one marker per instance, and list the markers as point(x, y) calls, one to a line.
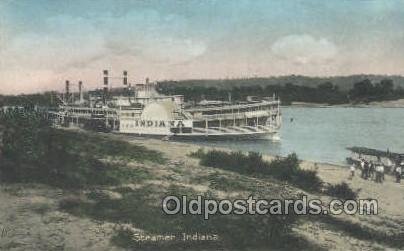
point(106, 217)
point(354, 89)
point(78, 190)
point(343, 82)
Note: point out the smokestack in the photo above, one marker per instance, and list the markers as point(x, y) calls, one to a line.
point(125, 78)
point(105, 78)
point(147, 87)
point(80, 92)
point(67, 92)
point(105, 86)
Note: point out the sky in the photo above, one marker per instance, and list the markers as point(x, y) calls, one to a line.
point(45, 42)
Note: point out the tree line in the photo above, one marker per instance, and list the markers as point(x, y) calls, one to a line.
point(29, 100)
point(362, 92)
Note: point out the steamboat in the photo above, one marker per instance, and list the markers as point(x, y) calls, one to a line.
point(140, 110)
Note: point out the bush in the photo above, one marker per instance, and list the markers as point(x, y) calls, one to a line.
point(308, 180)
point(198, 154)
point(342, 191)
point(288, 169)
point(250, 163)
point(285, 169)
point(70, 202)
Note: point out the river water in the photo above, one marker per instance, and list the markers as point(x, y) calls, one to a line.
point(322, 134)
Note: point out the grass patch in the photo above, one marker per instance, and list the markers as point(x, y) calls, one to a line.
point(41, 208)
point(284, 169)
point(70, 202)
point(141, 209)
point(34, 152)
point(393, 239)
point(197, 154)
point(342, 191)
point(101, 146)
point(225, 184)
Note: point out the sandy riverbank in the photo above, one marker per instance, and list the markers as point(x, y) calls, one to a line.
point(390, 196)
point(32, 211)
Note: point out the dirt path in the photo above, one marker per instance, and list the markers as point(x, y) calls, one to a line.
point(30, 220)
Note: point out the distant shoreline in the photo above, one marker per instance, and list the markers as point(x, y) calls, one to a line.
point(378, 104)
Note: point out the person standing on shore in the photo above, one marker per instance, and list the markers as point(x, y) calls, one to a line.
point(398, 173)
point(366, 171)
point(377, 180)
point(352, 168)
point(379, 170)
point(380, 163)
point(371, 170)
point(382, 171)
point(362, 166)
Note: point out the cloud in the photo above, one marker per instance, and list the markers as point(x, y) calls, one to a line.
point(154, 37)
point(76, 42)
point(43, 43)
point(65, 42)
point(66, 46)
point(174, 51)
point(304, 49)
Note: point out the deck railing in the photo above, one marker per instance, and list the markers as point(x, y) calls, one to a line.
point(236, 115)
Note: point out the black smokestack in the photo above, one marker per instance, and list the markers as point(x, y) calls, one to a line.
point(105, 78)
point(67, 91)
point(105, 94)
point(80, 91)
point(125, 78)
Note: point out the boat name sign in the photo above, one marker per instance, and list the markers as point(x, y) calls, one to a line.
point(160, 123)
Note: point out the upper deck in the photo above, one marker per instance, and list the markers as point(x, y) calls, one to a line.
point(242, 106)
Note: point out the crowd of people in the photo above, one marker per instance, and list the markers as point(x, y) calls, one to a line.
point(375, 170)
